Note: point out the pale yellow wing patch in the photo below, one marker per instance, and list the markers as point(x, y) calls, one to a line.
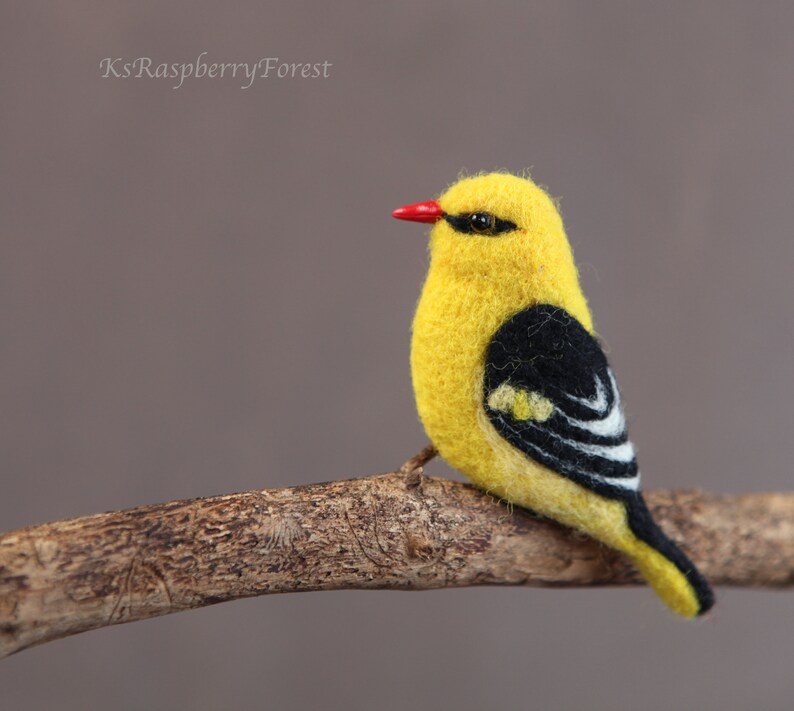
point(521, 404)
point(503, 398)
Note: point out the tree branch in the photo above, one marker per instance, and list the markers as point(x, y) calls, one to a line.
point(399, 531)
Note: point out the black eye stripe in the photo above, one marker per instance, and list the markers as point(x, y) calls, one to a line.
point(480, 223)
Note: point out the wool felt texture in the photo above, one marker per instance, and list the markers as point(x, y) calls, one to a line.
point(512, 386)
point(543, 352)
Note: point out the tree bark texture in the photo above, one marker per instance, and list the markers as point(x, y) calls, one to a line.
point(399, 531)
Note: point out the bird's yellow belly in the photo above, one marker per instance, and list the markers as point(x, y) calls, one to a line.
point(450, 339)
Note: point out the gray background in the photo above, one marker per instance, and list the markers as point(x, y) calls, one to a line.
point(202, 291)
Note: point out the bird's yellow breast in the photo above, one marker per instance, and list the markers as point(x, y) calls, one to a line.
point(450, 337)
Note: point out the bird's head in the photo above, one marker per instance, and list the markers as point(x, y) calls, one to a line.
point(499, 231)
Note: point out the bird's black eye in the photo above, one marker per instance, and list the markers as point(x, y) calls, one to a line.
point(480, 223)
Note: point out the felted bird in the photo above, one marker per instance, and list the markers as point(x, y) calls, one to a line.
point(511, 383)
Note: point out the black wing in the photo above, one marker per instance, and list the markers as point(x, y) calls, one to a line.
point(544, 350)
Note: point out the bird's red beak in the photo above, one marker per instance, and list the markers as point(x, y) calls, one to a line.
point(429, 211)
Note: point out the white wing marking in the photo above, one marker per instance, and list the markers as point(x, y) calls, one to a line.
point(612, 425)
point(597, 403)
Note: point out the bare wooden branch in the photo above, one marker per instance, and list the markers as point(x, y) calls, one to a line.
point(395, 531)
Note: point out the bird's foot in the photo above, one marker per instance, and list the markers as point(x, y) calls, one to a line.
point(414, 468)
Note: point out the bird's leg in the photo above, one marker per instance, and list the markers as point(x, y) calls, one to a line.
point(414, 468)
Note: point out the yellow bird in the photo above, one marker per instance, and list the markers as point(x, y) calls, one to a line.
point(511, 384)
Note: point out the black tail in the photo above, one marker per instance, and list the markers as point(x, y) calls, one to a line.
point(645, 528)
